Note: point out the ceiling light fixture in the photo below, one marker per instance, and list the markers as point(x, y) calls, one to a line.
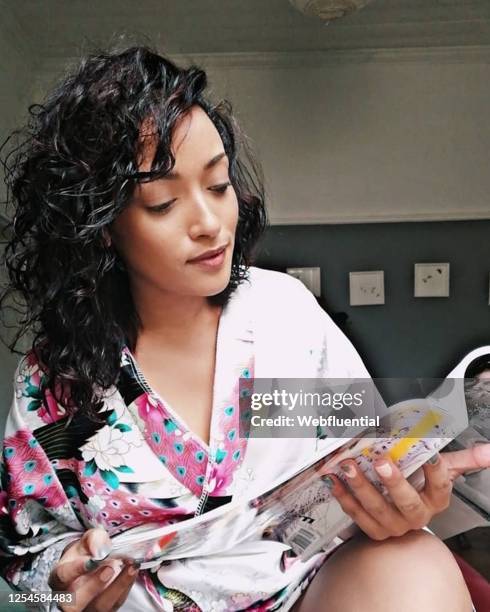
point(327, 10)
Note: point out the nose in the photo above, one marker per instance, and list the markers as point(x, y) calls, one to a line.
point(204, 219)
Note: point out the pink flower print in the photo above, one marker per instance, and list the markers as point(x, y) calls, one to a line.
point(54, 412)
point(149, 410)
point(33, 380)
point(219, 479)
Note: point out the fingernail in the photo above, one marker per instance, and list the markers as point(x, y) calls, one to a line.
point(91, 564)
point(384, 469)
point(484, 452)
point(434, 459)
point(329, 481)
point(349, 470)
point(133, 569)
point(107, 573)
point(102, 552)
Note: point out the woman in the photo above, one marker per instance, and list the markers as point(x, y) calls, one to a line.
point(136, 218)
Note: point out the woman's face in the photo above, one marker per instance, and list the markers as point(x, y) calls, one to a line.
point(173, 220)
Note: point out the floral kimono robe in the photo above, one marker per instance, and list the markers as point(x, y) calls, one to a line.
point(144, 464)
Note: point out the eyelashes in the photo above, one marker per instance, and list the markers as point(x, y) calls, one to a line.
point(219, 189)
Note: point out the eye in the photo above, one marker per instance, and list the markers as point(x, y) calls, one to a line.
point(160, 208)
point(220, 188)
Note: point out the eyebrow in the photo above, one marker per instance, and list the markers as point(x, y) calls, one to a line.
point(175, 175)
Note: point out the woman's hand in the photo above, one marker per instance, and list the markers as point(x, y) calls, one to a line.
point(101, 586)
point(409, 509)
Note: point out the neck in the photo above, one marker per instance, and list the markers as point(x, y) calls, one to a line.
point(173, 319)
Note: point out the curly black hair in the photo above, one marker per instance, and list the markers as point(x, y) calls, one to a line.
point(73, 169)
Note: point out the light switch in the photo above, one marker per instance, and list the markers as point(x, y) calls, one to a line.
point(310, 277)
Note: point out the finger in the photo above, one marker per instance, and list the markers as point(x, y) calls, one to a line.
point(438, 484)
point(353, 508)
point(67, 571)
point(373, 501)
point(114, 596)
point(472, 458)
point(403, 495)
point(96, 543)
point(91, 585)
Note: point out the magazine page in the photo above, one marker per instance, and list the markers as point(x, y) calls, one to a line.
point(299, 510)
point(213, 532)
point(473, 488)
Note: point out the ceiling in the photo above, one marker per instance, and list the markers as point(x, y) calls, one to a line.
point(57, 29)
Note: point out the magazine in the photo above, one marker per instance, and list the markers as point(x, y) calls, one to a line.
point(474, 487)
point(299, 510)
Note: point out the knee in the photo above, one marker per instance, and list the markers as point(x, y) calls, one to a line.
point(414, 571)
point(418, 554)
point(419, 544)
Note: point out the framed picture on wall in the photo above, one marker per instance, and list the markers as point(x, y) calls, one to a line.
point(431, 280)
point(310, 277)
point(367, 288)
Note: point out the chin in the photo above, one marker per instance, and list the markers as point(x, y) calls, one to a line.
point(219, 288)
point(216, 285)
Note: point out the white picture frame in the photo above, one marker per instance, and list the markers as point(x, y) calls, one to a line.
point(431, 280)
point(310, 277)
point(367, 288)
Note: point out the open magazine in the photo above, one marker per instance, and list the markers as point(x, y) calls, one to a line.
point(474, 487)
point(298, 510)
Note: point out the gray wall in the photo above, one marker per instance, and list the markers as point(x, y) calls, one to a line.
point(406, 337)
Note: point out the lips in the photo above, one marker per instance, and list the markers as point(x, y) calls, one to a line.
point(209, 254)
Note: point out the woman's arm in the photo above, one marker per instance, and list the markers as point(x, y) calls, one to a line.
point(43, 545)
point(36, 519)
point(410, 509)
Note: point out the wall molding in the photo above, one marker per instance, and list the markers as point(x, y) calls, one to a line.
point(343, 219)
point(480, 54)
point(294, 59)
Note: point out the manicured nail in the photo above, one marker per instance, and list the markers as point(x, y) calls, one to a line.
point(384, 469)
point(349, 470)
point(133, 568)
point(329, 482)
point(434, 459)
point(102, 552)
point(484, 452)
point(91, 564)
point(107, 573)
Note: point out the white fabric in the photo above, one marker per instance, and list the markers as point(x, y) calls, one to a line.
point(294, 337)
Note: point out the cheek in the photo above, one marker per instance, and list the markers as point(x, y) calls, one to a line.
point(146, 242)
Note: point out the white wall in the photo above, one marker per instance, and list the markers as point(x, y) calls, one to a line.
point(362, 136)
point(366, 137)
